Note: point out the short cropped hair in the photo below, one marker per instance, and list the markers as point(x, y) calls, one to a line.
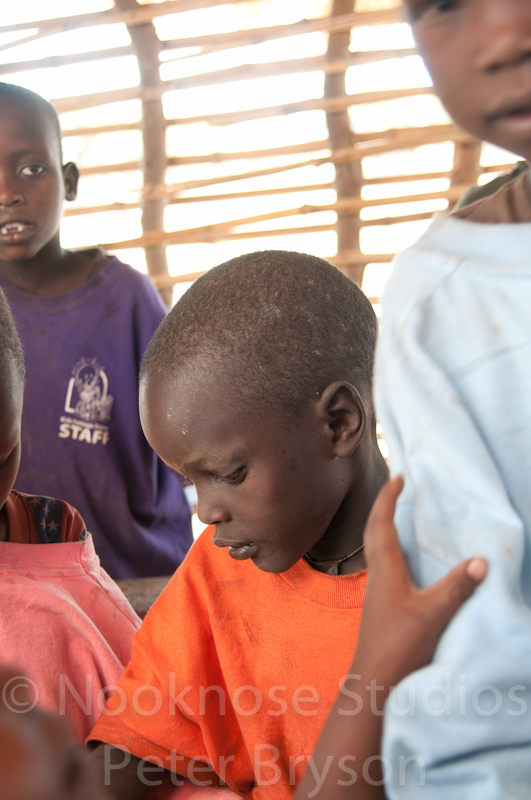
point(281, 325)
point(11, 353)
point(11, 93)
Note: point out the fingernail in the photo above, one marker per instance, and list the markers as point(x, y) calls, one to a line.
point(477, 569)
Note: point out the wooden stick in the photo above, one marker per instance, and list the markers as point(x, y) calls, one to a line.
point(206, 198)
point(381, 221)
point(498, 168)
point(233, 39)
point(344, 257)
point(422, 176)
point(250, 71)
point(330, 104)
point(9, 45)
point(381, 143)
point(60, 61)
point(207, 233)
point(135, 16)
point(229, 118)
point(348, 174)
point(127, 166)
point(95, 129)
point(217, 158)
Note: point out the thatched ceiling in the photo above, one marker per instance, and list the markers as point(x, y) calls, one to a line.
point(205, 128)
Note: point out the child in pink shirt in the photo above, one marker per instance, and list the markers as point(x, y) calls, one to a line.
point(63, 621)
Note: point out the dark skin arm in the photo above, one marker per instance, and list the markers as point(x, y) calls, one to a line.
point(400, 630)
point(122, 774)
point(127, 777)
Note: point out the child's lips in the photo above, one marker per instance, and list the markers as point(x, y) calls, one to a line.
point(15, 231)
point(244, 552)
point(516, 113)
point(240, 552)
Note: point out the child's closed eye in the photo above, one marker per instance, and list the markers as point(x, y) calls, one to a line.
point(235, 477)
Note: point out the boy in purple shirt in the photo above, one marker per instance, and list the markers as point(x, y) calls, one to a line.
point(84, 319)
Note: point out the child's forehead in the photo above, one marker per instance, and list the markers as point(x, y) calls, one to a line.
point(205, 402)
point(11, 394)
point(24, 125)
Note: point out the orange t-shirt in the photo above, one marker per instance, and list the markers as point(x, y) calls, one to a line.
point(237, 668)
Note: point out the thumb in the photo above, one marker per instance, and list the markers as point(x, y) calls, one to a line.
point(383, 553)
point(447, 596)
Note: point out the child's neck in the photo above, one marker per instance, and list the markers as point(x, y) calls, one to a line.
point(54, 271)
point(345, 534)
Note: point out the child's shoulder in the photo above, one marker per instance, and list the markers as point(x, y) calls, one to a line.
point(505, 200)
point(35, 519)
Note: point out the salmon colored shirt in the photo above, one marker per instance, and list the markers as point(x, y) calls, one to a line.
point(63, 622)
point(237, 668)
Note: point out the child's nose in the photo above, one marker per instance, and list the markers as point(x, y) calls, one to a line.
point(209, 510)
point(505, 32)
point(10, 195)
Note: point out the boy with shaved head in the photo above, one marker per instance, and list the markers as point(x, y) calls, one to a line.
point(257, 387)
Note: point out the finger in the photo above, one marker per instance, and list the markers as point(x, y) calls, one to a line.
point(381, 540)
point(383, 509)
point(448, 595)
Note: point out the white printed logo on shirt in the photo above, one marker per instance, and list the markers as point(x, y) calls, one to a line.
point(89, 402)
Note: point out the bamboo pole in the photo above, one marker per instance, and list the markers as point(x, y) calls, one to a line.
point(349, 177)
point(358, 151)
point(229, 118)
point(348, 257)
point(139, 15)
point(146, 45)
point(233, 39)
point(231, 156)
point(24, 40)
point(126, 166)
point(434, 132)
point(385, 221)
point(249, 71)
point(208, 233)
point(279, 190)
point(61, 61)
point(270, 152)
point(95, 129)
point(466, 164)
point(330, 104)
point(354, 153)
point(365, 223)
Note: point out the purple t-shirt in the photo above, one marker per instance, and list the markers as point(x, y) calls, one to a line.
point(81, 434)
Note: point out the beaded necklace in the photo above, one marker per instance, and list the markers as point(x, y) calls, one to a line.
point(333, 569)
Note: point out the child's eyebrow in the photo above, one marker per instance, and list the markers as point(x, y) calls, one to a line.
point(28, 151)
point(209, 463)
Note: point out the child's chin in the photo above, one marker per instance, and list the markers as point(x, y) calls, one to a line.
point(275, 567)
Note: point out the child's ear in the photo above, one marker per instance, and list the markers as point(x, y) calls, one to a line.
point(70, 178)
point(343, 412)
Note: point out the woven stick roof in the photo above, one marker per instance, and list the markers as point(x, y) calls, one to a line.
point(207, 128)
